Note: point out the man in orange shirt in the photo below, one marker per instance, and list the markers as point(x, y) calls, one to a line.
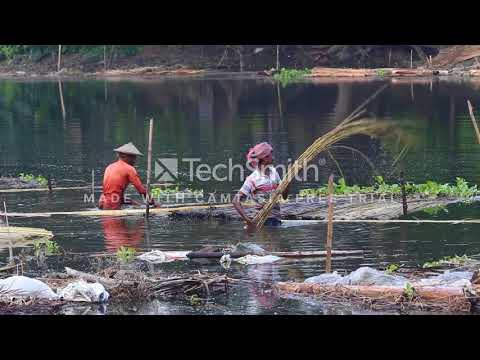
point(118, 176)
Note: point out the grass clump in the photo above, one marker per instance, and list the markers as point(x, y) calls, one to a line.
point(126, 254)
point(460, 189)
point(447, 261)
point(41, 180)
point(287, 76)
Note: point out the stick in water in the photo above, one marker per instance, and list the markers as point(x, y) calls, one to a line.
point(328, 260)
point(149, 167)
point(474, 121)
point(93, 185)
point(6, 215)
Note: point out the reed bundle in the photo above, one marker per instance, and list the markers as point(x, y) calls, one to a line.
point(348, 127)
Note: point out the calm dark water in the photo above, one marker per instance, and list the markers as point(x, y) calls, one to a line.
point(217, 119)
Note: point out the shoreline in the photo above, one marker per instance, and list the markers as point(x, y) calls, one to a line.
point(317, 75)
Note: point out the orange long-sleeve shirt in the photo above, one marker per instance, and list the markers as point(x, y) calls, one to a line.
point(116, 179)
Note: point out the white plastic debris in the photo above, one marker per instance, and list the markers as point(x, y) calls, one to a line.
point(449, 278)
point(326, 279)
point(255, 259)
point(21, 286)
point(226, 261)
point(158, 257)
point(82, 291)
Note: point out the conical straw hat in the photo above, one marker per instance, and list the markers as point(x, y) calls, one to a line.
point(129, 149)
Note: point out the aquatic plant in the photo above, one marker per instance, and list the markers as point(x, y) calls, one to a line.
point(429, 189)
point(50, 247)
point(391, 268)
point(29, 177)
point(157, 192)
point(126, 254)
point(446, 261)
point(409, 291)
point(287, 76)
point(435, 210)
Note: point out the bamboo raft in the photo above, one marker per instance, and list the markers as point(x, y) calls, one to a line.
point(299, 209)
point(450, 299)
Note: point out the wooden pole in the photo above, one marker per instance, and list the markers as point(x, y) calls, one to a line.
point(328, 260)
point(49, 183)
point(93, 185)
point(411, 59)
point(149, 167)
point(62, 103)
point(59, 65)
point(278, 57)
point(6, 215)
point(474, 121)
point(104, 58)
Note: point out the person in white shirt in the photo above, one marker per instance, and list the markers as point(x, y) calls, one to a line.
point(260, 185)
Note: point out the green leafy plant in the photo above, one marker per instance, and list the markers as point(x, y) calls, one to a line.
point(429, 189)
point(447, 261)
point(409, 291)
point(287, 76)
point(157, 192)
point(126, 254)
point(391, 268)
point(195, 300)
point(49, 246)
point(29, 177)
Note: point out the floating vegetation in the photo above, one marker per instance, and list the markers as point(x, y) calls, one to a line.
point(159, 192)
point(391, 268)
point(126, 254)
point(42, 181)
point(429, 189)
point(447, 261)
point(49, 247)
point(288, 76)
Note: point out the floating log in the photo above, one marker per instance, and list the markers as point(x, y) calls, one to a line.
point(319, 72)
point(150, 71)
point(24, 232)
point(294, 254)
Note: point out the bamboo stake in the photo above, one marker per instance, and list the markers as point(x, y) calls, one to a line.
point(105, 58)
point(62, 103)
point(93, 185)
point(6, 215)
point(59, 65)
point(474, 121)
point(278, 57)
point(149, 167)
point(411, 59)
point(328, 260)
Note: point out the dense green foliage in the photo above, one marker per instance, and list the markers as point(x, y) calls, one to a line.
point(287, 76)
point(42, 181)
point(37, 52)
point(429, 189)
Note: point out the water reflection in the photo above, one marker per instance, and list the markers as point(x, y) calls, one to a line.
point(120, 232)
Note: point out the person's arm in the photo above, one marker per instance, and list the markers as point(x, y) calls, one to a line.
point(237, 204)
point(246, 189)
point(137, 183)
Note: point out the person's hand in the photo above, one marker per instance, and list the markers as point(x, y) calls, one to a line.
point(250, 226)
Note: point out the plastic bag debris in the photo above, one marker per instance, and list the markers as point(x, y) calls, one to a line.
point(226, 261)
point(326, 279)
point(367, 276)
point(158, 257)
point(255, 259)
point(249, 248)
point(449, 278)
point(21, 286)
point(361, 276)
point(84, 292)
